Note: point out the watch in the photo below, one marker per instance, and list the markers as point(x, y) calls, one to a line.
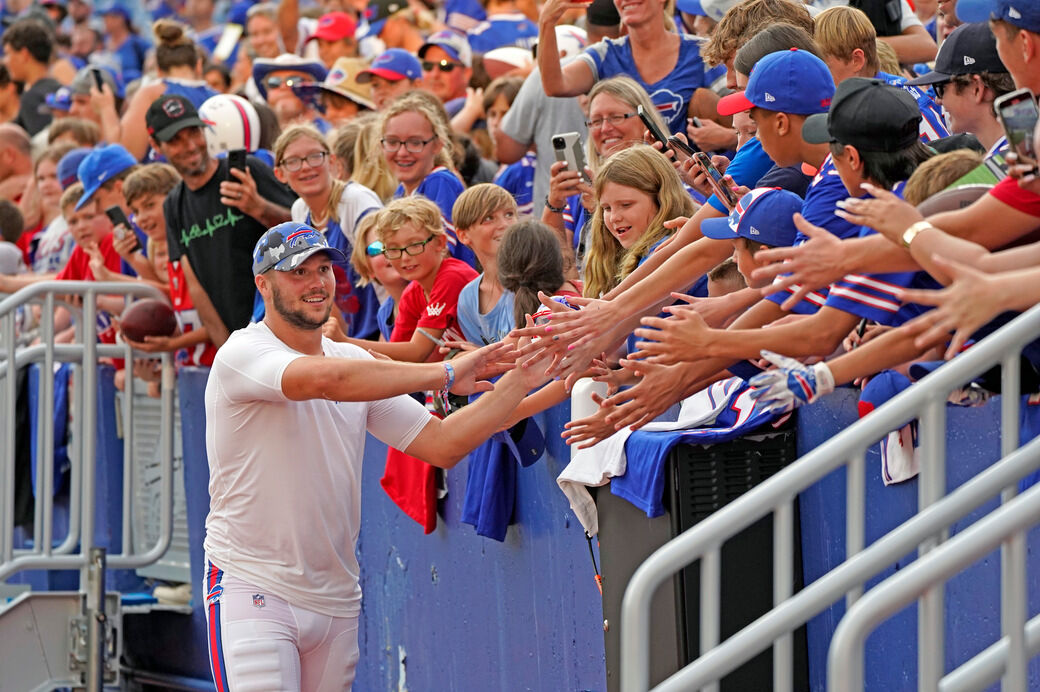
point(911, 233)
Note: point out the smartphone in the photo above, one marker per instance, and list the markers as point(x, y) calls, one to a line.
point(680, 146)
point(1018, 114)
point(695, 121)
point(237, 159)
point(567, 147)
point(655, 131)
point(99, 82)
point(722, 191)
point(122, 225)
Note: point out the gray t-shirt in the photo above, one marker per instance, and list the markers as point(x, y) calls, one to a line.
point(535, 118)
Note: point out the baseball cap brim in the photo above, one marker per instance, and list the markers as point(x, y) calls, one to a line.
point(365, 76)
point(296, 259)
point(932, 77)
point(88, 193)
point(734, 103)
point(167, 133)
point(312, 91)
point(815, 129)
point(718, 229)
point(972, 11)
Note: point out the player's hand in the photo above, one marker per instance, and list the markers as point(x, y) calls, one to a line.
point(970, 301)
point(241, 193)
point(585, 432)
point(791, 384)
point(813, 264)
point(472, 368)
point(886, 213)
point(684, 336)
point(660, 386)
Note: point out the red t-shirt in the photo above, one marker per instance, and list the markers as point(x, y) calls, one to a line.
point(440, 312)
point(1008, 192)
point(188, 318)
point(78, 266)
point(24, 243)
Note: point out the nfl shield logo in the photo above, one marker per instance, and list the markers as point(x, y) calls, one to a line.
point(258, 600)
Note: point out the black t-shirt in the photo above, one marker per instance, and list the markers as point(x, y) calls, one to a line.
point(218, 240)
point(33, 113)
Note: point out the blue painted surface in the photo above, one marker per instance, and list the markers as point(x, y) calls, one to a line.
point(972, 598)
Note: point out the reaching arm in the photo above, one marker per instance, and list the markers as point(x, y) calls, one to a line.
point(218, 333)
point(132, 135)
point(913, 45)
point(573, 79)
point(288, 19)
point(415, 351)
point(507, 149)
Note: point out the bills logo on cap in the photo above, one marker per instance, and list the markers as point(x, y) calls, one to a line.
point(968, 60)
point(258, 600)
point(173, 108)
point(336, 75)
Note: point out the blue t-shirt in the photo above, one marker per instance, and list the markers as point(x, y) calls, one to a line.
point(825, 191)
point(613, 56)
point(503, 30)
point(483, 329)
point(933, 124)
point(463, 15)
point(131, 54)
point(196, 91)
point(518, 179)
point(748, 166)
point(442, 187)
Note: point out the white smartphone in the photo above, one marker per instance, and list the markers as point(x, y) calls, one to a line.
point(567, 147)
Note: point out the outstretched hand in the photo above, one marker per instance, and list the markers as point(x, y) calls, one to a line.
point(886, 213)
point(814, 264)
point(473, 368)
point(684, 336)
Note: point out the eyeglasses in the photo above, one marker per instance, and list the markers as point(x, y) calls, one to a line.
point(940, 89)
point(412, 250)
point(374, 248)
point(295, 163)
point(413, 145)
point(614, 120)
point(275, 81)
point(442, 65)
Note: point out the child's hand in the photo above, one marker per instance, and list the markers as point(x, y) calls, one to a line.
point(97, 262)
point(588, 431)
point(333, 328)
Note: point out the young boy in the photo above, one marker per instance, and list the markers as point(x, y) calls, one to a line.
point(144, 191)
point(414, 241)
point(482, 214)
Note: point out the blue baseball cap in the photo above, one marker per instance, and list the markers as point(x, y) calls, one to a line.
point(60, 100)
point(395, 64)
point(764, 215)
point(788, 81)
point(285, 247)
point(691, 7)
point(68, 167)
point(100, 166)
point(1025, 14)
point(451, 42)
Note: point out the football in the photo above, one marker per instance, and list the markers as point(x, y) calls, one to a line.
point(148, 317)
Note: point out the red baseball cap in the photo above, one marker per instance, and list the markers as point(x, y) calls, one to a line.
point(335, 26)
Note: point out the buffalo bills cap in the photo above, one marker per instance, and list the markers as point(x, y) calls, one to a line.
point(970, 49)
point(285, 247)
point(334, 26)
point(169, 114)
point(765, 215)
point(100, 166)
point(60, 100)
point(1025, 14)
point(453, 43)
point(869, 115)
point(68, 167)
point(788, 81)
point(378, 11)
point(395, 64)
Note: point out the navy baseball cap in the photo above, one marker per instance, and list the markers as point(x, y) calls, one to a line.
point(285, 247)
point(970, 49)
point(764, 215)
point(100, 166)
point(1025, 14)
point(395, 64)
point(378, 11)
point(68, 167)
point(788, 81)
point(869, 115)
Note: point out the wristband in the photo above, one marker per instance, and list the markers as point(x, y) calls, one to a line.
point(449, 376)
point(910, 233)
point(550, 207)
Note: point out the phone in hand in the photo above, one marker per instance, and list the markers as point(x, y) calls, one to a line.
point(1018, 113)
point(122, 225)
point(237, 159)
point(99, 82)
point(655, 131)
point(722, 191)
point(567, 147)
point(681, 147)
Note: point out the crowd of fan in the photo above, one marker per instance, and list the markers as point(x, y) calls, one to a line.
point(419, 139)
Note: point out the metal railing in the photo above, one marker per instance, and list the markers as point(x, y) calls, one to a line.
point(75, 548)
point(925, 401)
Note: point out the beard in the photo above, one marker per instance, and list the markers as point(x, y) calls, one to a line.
point(297, 318)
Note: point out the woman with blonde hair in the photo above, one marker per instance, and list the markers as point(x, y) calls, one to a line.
point(305, 163)
point(416, 141)
point(637, 190)
point(369, 165)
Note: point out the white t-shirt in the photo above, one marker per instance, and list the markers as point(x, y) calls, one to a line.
point(285, 476)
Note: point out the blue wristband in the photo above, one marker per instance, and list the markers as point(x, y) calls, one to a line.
point(449, 376)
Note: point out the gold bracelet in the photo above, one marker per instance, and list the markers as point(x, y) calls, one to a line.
point(911, 233)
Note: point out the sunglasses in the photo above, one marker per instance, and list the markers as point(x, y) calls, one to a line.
point(276, 81)
point(443, 65)
point(374, 248)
